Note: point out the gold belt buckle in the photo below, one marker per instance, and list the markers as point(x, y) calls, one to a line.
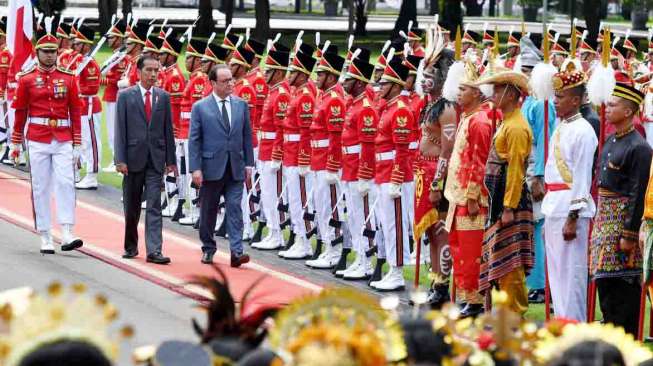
point(52, 122)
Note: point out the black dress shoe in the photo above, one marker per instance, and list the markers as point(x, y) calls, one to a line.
point(207, 258)
point(471, 310)
point(76, 243)
point(157, 258)
point(536, 296)
point(238, 260)
point(129, 254)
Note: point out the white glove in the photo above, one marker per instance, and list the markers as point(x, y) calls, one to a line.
point(123, 83)
point(394, 191)
point(304, 170)
point(14, 151)
point(77, 153)
point(332, 178)
point(275, 165)
point(364, 187)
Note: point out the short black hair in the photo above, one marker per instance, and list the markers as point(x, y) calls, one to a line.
point(579, 91)
point(630, 105)
point(213, 73)
point(141, 60)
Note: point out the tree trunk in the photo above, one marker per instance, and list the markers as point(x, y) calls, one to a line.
point(452, 16)
point(474, 8)
point(126, 8)
point(350, 15)
point(298, 6)
point(507, 7)
point(493, 6)
point(262, 29)
point(228, 6)
point(205, 24)
point(241, 5)
point(361, 17)
point(591, 9)
point(106, 8)
point(407, 12)
point(371, 5)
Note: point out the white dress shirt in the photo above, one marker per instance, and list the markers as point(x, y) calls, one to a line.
point(143, 91)
point(227, 105)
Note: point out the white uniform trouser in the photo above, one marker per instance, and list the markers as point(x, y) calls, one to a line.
point(91, 142)
point(397, 254)
point(184, 179)
point(259, 169)
point(4, 123)
point(245, 201)
point(295, 206)
point(408, 204)
point(322, 201)
point(51, 165)
point(648, 128)
point(110, 119)
point(269, 195)
point(11, 117)
point(567, 267)
point(356, 215)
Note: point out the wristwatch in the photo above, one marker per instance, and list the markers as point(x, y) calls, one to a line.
point(573, 214)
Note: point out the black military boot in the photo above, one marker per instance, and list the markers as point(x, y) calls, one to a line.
point(179, 211)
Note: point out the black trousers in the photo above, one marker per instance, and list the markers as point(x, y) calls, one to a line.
point(135, 185)
point(210, 193)
point(619, 301)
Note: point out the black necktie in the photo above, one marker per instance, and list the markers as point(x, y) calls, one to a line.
point(225, 115)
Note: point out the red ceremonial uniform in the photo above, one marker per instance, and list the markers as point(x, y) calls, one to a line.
point(271, 124)
point(297, 138)
point(110, 80)
point(326, 130)
point(358, 139)
point(174, 83)
point(246, 91)
point(51, 94)
point(419, 51)
point(394, 133)
point(89, 85)
point(197, 88)
point(5, 59)
point(256, 79)
point(66, 57)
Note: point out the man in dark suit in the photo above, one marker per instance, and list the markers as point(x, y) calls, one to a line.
point(144, 150)
point(220, 158)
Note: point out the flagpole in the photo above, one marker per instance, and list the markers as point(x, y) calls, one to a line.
point(545, 43)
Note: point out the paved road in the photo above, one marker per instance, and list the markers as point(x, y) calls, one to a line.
point(157, 314)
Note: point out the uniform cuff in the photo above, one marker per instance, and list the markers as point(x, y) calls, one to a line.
point(630, 235)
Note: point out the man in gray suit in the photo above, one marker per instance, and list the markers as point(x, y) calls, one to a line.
point(220, 158)
point(144, 150)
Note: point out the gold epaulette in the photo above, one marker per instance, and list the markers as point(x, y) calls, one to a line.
point(305, 90)
point(401, 104)
point(366, 102)
point(27, 71)
point(65, 71)
point(245, 82)
point(333, 94)
point(281, 90)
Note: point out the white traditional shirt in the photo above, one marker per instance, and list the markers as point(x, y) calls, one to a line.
point(569, 162)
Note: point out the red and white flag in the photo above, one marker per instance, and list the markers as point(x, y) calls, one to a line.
point(19, 34)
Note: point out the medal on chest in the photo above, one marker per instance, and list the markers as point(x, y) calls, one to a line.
point(59, 88)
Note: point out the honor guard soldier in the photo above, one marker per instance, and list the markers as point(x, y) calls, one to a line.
point(195, 90)
point(513, 49)
point(229, 43)
point(469, 42)
point(272, 117)
point(5, 60)
point(241, 63)
point(66, 34)
point(64, 37)
point(326, 143)
point(88, 78)
point(393, 173)
point(414, 39)
point(173, 82)
point(297, 179)
point(47, 101)
point(256, 79)
point(135, 42)
point(112, 70)
point(359, 132)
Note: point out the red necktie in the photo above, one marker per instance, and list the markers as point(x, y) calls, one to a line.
point(148, 106)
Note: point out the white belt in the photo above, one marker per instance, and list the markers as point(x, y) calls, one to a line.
point(353, 149)
point(52, 122)
point(12, 85)
point(184, 115)
point(268, 135)
point(291, 137)
point(385, 156)
point(412, 146)
point(316, 144)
